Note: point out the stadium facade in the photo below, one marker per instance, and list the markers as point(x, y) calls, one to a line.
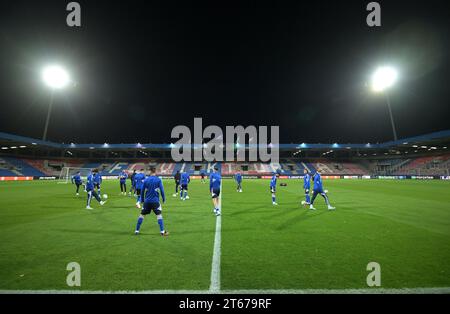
point(426, 157)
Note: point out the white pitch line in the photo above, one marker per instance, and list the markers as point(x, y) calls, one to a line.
point(215, 268)
point(434, 290)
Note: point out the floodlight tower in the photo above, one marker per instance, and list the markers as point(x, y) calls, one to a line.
point(384, 78)
point(55, 77)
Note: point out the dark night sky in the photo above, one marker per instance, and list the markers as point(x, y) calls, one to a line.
point(143, 67)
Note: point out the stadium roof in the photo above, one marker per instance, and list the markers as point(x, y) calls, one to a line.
point(11, 141)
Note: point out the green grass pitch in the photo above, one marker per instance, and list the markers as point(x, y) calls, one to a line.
point(402, 225)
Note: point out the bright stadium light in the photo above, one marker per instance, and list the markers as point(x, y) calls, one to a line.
point(383, 79)
point(55, 77)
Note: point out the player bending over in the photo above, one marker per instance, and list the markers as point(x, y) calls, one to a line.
point(318, 189)
point(238, 179)
point(123, 182)
point(138, 183)
point(78, 182)
point(214, 187)
point(151, 187)
point(177, 177)
point(184, 181)
point(273, 187)
point(91, 191)
point(306, 187)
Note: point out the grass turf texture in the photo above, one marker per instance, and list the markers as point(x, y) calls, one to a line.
point(402, 225)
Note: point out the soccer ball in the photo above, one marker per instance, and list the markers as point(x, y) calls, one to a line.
point(105, 196)
point(303, 202)
point(326, 191)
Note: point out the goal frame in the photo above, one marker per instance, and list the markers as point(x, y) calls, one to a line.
point(67, 172)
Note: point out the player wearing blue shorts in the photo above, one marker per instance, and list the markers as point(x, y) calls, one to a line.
point(215, 180)
point(307, 186)
point(184, 182)
point(151, 188)
point(138, 183)
point(273, 188)
point(238, 178)
point(76, 179)
point(91, 190)
point(318, 189)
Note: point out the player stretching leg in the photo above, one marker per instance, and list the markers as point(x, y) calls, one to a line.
point(123, 182)
point(78, 182)
point(185, 179)
point(138, 182)
point(306, 187)
point(151, 187)
point(177, 177)
point(238, 178)
point(318, 189)
point(90, 190)
point(273, 187)
point(214, 187)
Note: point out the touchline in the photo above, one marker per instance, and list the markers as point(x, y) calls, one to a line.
point(207, 144)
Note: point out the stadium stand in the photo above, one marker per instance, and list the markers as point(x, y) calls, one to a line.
point(439, 165)
point(434, 165)
point(425, 155)
point(22, 167)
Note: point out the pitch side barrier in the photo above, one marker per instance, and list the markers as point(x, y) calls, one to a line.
point(329, 177)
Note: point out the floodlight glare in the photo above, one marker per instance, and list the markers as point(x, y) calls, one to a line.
point(383, 78)
point(55, 76)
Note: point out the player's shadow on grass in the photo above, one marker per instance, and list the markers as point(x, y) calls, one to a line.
point(303, 216)
point(93, 231)
point(268, 209)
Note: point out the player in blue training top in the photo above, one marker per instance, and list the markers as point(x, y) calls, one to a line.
point(215, 182)
point(306, 187)
point(151, 188)
point(184, 181)
point(273, 187)
point(318, 189)
point(97, 183)
point(138, 182)
point(238, 178)
point(77, 180)
point(123, 182)
point(90, 189)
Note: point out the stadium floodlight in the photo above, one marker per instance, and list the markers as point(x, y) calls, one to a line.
point(383, 79)
point(55, 77)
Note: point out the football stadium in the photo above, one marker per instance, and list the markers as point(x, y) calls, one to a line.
point(106, 185)
point(391, 199)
